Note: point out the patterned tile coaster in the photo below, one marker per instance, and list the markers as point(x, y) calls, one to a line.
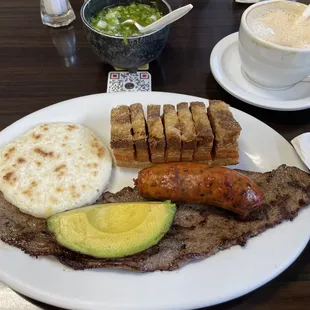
point(120, 81)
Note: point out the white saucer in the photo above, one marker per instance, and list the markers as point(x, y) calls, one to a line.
point(226, 69)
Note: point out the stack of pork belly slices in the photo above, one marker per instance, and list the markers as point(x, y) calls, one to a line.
point(187, 132)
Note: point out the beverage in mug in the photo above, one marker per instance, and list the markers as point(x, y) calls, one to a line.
point(280, 24)
point(274, 45)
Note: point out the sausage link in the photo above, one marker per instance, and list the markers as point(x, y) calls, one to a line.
point(197, 183)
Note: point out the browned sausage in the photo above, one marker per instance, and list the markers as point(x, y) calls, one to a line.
point(197, 183)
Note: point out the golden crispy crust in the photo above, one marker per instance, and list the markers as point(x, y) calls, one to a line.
point(172, 127)
point(188, 132)
point(204, 132)
point(225, 128)
point(142, 155)
point(226, 153)
point(156, 139)
point(202, 154)
point(227, 149)
point(202, 124)
point(225, 162)
point(154, 122)
point(138, 123)
point(234, 155)
point(187, 155)
point(218, 162)
point(139, 132)
point(226, 131)
point(172, 156)
point(133, 164)
point(124, 154)
point(173, 134)
point(121, 136)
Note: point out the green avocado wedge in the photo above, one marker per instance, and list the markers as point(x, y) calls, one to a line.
point(113, 230)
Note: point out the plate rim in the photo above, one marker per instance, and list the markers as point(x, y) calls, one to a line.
point(226, 84)
point(37, 295)
point(138, 92)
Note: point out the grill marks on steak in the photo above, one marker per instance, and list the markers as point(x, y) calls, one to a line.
point(197, 231)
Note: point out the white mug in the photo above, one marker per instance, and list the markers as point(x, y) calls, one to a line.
point(267, 64)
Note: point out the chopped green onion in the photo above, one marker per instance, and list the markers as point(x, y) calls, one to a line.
point(110, 20)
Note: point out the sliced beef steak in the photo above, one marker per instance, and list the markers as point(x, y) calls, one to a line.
point(197, 231)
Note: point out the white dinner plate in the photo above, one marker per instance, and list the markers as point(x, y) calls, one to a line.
point(224, 276)
point(226, 68)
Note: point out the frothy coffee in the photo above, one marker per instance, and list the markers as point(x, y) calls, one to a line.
point(276, 23)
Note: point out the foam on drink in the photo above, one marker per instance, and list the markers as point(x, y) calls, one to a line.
point(276, 22)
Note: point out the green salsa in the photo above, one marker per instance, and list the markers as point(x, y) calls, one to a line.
point(110, 20)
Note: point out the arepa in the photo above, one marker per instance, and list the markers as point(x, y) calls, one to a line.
point(53, 168)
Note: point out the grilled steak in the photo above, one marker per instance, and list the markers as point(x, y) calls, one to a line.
point(26, 232)
point(197, 232)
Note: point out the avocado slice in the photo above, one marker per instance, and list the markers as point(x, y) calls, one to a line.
point(113, 230)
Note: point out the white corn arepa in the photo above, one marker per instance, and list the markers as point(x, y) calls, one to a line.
point(54, 167)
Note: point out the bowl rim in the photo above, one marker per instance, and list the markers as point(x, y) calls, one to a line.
point(88, 25)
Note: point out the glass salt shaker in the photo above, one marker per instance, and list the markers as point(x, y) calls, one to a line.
point(57, 13)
